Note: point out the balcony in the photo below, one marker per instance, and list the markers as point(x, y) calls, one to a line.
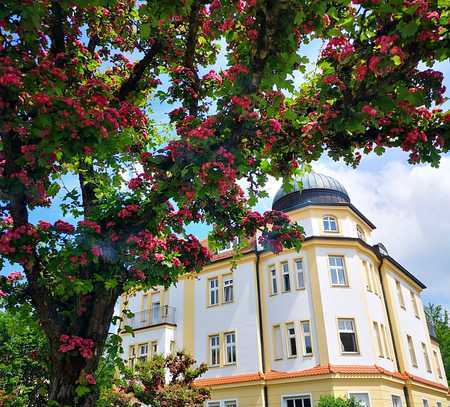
point(151, 317)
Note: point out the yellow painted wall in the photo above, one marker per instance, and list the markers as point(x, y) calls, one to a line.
point(247, 396)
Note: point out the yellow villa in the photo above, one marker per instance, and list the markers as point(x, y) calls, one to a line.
point(340, 317)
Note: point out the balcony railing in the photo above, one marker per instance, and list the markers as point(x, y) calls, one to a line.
point(151, 317)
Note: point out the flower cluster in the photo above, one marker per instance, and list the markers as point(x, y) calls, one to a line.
point(85, 346)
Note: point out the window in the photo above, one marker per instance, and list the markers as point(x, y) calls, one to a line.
point(307, 342)
point(363, 398)
point(300, 274)
point(292, 340)
point(396, 401)
point(360, 232)
point(347, 335)
point(277, 343)
point(229, 245)
point(155, 313)
point(230, 348)
point(213, 291)
point(400, 294)
point(172, 346)
point(228, 289)
point(376, 280)
point(426, 357)
point(143, 352)
point(438, 404)
point(154, 347)
point(385, 341)
point(412, 352)
point(378, 336)
point(337, 270)
point(224, 403)
point(438, 365)
point(425, 403)
point(414, 304)
point(297, 401)
point(214, 345)
point(131, 356)
point(329, 224)
point(368, 276)
point(273, 280)
point(286, 277)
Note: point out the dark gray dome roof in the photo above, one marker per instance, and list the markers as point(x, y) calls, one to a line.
point(312, 188)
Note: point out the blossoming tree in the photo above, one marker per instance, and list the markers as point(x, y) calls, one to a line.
point(78, 80)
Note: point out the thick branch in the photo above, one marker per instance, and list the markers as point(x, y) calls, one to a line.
point(130, 85)
point(57, 29)
point(189, 55)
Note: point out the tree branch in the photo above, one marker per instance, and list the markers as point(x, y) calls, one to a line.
point(57, 29)
point(131, 83)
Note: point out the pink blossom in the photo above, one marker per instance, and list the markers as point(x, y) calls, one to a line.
point(15, 275)
point(90, 378)
point(369, 110)
point(2, 294)
point(97, 251)
point(275, 125)
point(159, 257)
point(44, 225)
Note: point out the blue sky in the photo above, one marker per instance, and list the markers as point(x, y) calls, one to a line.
point(408, 204)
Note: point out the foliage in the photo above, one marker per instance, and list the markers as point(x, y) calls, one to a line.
point(148, 384)
point(23, 368)
point(441, 322)
point(78, 82)
point(331, 401)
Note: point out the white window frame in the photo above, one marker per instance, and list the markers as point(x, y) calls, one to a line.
point(351, 393)
point(399, 398)
point(230, 286)
point(140, 355)
point(354, 331)
point(438, 364)
point(401, 298)
point(213, 291)
point(221, 403)
point(289, 336)
point(277, 342)
point(286, 272)
point(414, 303)
point(376, 327)
point(273, 276)
point(426, 357)
point(360, 232)
point(327, 224)
point(305, 335)
point(339, 270)
point(229, 347)
point(299, 274)
point(285, 397)
point(412, 351)
point(215, 347)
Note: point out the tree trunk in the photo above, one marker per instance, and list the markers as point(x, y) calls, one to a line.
point(68, 368)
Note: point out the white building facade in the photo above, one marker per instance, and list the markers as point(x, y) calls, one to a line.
point(340, 317)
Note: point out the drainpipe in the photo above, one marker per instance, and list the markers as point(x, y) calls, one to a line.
point(261, 336)
point(405, 389)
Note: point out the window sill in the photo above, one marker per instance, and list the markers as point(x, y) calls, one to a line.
point(230, 364)
point(212, 305)
point(292, 357)
point(308, 355)
point(351, 353)
point(227, 302)
point(340, 285)
point(300, 289)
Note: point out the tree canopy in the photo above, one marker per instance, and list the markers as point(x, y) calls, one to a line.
point(78, 82)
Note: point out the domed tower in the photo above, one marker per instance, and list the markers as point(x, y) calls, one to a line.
point(311, 189)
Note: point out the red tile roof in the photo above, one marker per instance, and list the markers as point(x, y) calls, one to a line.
point(315, 371)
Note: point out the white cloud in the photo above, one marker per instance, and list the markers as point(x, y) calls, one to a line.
point(410, 207)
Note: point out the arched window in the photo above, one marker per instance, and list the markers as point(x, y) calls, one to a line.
point(330, 224)
point(360, 232)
